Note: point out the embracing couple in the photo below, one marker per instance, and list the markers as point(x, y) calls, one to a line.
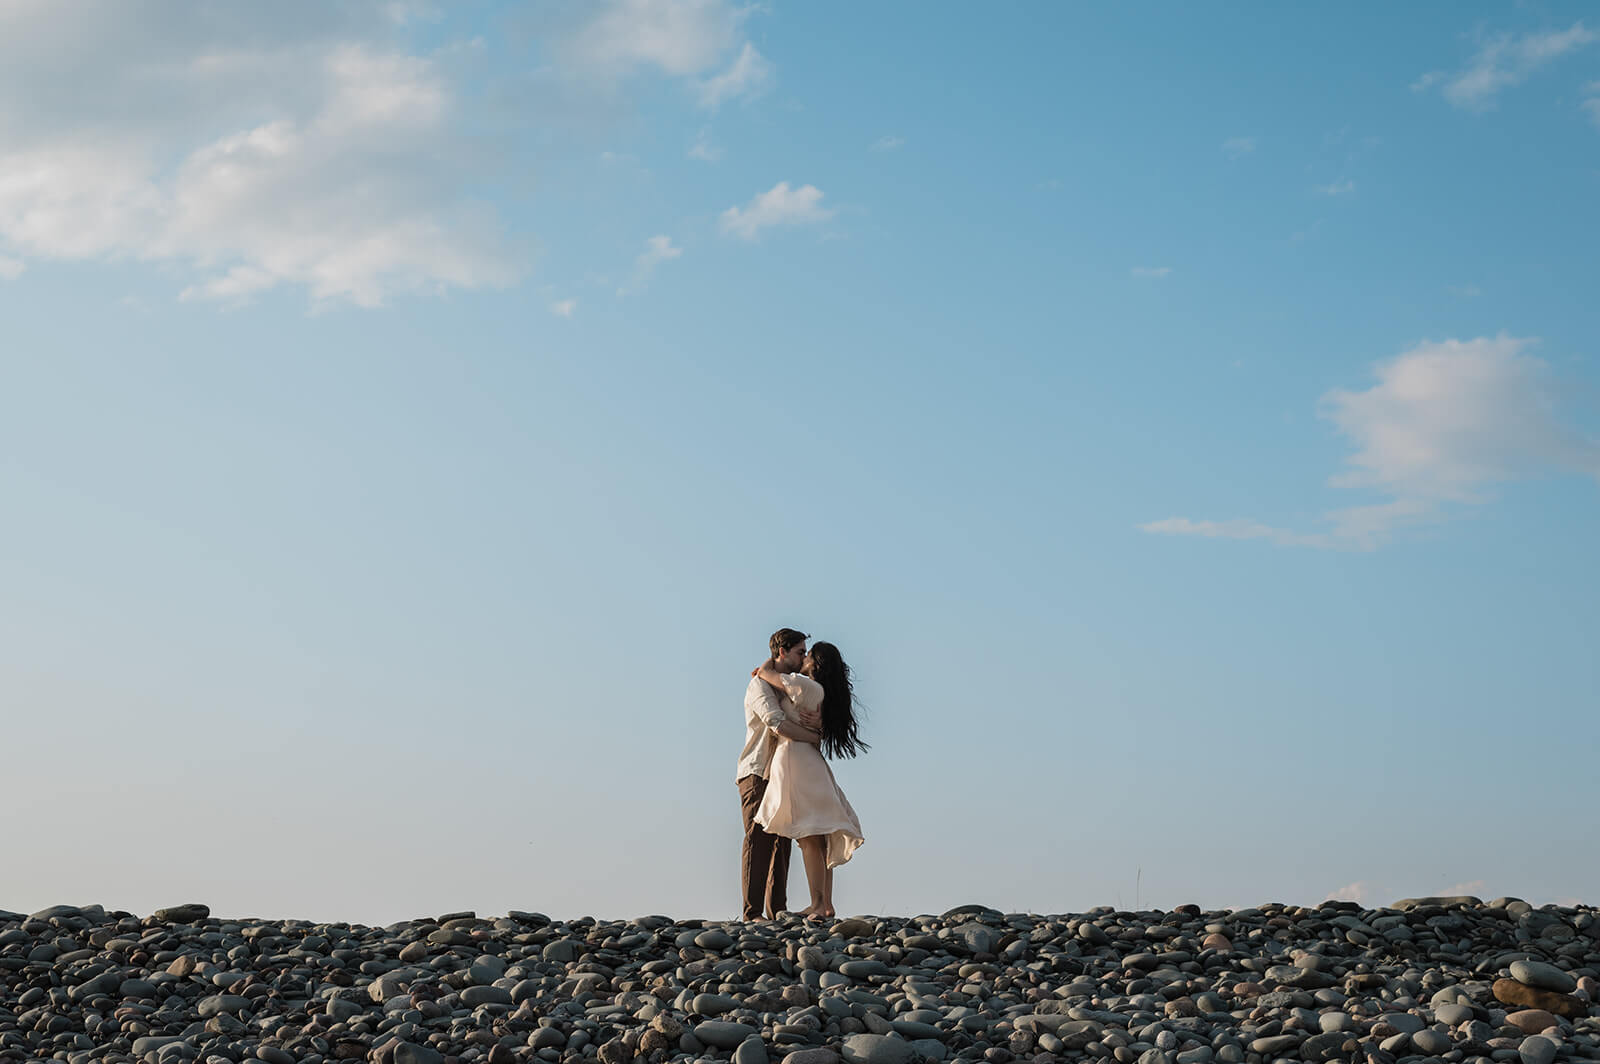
point(798, 708)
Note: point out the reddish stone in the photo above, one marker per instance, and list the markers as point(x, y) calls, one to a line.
point(1511, 992)
point(1531, 1021)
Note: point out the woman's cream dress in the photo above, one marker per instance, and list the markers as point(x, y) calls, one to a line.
point(802, 797)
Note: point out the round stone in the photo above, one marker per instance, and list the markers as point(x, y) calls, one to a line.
point(1404, 1022)
point(750, 1051)
point(878, 1049)
point(473, 996)
point(1432, 1042)
point(712, 1004)
point(1537, 1049)
point(723, 1035)
point(1531, 1021)
point(1543, 976)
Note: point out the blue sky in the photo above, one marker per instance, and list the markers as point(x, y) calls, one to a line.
point(416, 417)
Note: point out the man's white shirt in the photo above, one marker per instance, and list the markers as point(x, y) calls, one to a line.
point(763, 712)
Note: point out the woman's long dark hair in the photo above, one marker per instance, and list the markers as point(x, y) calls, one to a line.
point(839, 737)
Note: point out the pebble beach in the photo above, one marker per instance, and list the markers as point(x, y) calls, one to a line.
point(1457, 979)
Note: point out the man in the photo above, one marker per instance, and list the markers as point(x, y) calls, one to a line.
point(764, 864)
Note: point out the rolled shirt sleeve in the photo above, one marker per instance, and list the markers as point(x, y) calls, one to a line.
point(764, 702)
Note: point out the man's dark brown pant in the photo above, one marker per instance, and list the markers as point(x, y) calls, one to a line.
point(764, 870)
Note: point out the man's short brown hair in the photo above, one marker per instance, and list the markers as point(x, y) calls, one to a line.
point(783, 639)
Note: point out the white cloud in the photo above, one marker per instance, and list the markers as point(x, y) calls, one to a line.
point(11, 269)
point(1465, 291)
point(778, 206)
point(1359, 891)
point(1445, 423)
point(703, 149)
point(1502, 61)
point(1337, 188)
point(1151, 271)
point(678, 37)
point(749, 76)
point(252, 149)
point(1235, 529)
point(888, 142)
point(1591, 103)
point(1238, 147)
point(564, 308)
point(657, 249)
point(599, 43)
point(1472, 888)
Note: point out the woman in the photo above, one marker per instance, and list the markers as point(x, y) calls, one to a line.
point(802, 800)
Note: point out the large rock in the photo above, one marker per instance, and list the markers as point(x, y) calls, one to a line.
point(878, 1049)
point(1543, 976)
point(217, 1004)
point(411, 1053)
point(723, 1035)
point(1532, 1021)
point(1511, 992)
point(191, 913)
point(976, 937)
point(812, 1056)
point(473, 996)
point(1536, 1049)
point(1433, 1043)
point(1404, 1022)
point(751, 1051)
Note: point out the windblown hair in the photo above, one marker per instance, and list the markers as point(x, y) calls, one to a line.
point(839, 735)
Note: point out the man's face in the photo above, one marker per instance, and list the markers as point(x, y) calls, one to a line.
point(790, 660)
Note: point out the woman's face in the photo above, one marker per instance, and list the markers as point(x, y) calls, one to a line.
point(808, 665)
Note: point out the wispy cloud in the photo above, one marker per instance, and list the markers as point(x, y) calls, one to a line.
point(1443, 425)
point(780, 205)
point(1151, 271)
point(749, 76)
point(1236, 529)
point(1238, 147)
point(1337, 188)
point(888, 142)
point(703, 148)
point(682, 38)
point(331, 161)
point(11, 269)
point(657, 250)
point(1360, 891)
point(1502, 61)
point(1472, 888)
point(1465, 291)
point(1591, 101)
point(564, 308)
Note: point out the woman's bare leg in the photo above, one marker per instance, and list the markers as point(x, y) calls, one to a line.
point(814, 849)
point(827, 893)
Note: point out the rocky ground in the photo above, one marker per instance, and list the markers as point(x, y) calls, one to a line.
point(1450, 979)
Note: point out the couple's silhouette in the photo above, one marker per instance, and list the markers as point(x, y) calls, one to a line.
point(799, 710)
